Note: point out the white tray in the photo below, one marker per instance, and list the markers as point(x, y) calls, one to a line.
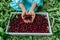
point(39, 34)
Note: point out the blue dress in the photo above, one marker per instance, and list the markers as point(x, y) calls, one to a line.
point(27, 4)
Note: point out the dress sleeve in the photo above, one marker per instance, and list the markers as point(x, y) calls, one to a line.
point(39, 2)
point(14, 4)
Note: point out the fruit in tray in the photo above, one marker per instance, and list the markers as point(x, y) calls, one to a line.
point(39, 25)
point(28, 17)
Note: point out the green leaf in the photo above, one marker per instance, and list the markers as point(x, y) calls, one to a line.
point(30, 37)
point(52, 9)
point(1, 38)
point(16, 16)
point(1, 22)
point(34, 38)
point(6, 14)
point(57, 39)
point(54, 29)
point(1, 29)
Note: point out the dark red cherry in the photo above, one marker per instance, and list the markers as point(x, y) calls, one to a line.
point(39, 25)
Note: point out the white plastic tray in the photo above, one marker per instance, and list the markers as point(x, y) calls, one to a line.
point(39, 34)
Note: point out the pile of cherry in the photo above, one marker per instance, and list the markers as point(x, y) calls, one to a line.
point(40, 25)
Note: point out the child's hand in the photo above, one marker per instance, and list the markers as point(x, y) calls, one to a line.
point(23, 16)
point(31, 12)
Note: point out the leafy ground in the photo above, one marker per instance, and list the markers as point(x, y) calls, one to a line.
point(50, 6)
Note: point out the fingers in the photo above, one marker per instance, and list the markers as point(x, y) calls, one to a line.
point(33, 16)
point(23, 14)
point(23, 17)
point(25, 21)
point(30, 13)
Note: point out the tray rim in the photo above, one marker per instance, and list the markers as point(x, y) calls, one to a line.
point(39, 34)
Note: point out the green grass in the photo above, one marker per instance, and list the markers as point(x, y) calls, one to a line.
point(50, 6)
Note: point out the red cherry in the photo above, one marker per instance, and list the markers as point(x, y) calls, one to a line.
point(39, 25)
point(46, 30)
point(28, 17)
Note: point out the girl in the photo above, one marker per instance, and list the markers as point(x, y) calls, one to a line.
point(27, 7)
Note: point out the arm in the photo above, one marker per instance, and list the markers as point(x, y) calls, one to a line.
point(33, 6)
point(31, 12)
point(24, 12)
point(22, 7)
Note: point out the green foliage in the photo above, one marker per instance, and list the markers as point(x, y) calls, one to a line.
point(1, 38)
point(1, 29)
point(50, 6)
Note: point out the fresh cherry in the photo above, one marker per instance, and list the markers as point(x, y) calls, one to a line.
point(28, 17)
point(40, 24)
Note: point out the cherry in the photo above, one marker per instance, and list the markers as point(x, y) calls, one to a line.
point(40, 24)
point(28, 17)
